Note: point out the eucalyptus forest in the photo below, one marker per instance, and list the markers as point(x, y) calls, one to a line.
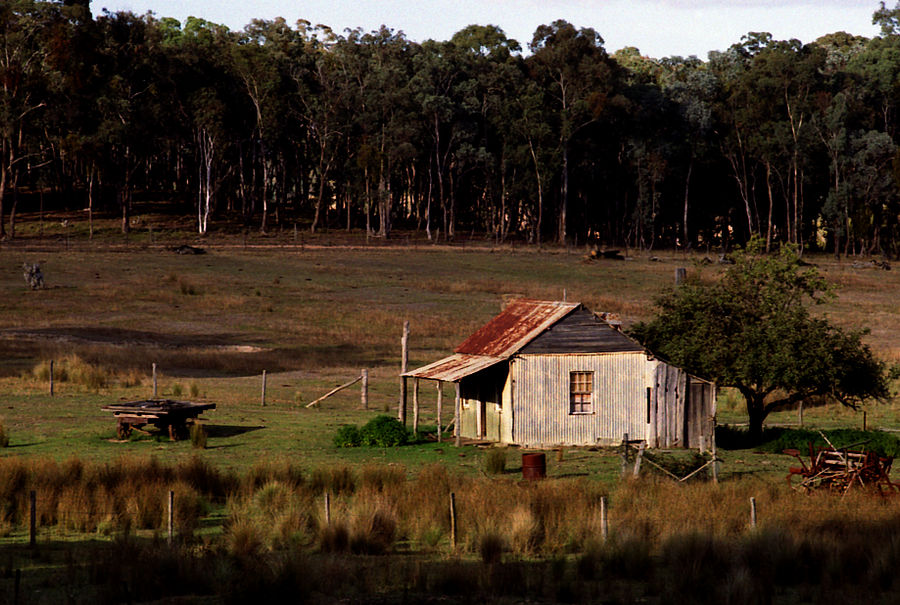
point(556, 140)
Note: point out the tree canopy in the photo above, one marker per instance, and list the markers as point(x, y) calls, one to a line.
point(281, 125)
point(752, 329)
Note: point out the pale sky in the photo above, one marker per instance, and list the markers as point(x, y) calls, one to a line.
point(659, 28)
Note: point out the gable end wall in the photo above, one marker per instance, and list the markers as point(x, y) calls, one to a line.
point(541, 399)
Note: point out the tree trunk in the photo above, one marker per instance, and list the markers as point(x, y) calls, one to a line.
point(265, 193)
point(428, 204)
point(771, 206)
point(540, 191)
point(2, 197)
point(687, 189)
point(91, 203)
point(756, 413)
point(564, 194)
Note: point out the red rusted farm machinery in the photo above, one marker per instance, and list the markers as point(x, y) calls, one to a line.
point(840, 470)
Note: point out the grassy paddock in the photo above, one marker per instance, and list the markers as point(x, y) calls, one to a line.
point(311, 313)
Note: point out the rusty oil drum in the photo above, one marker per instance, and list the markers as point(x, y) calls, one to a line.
point(534, 466)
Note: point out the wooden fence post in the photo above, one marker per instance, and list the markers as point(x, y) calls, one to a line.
point(364, 390)
point(32, 525)
point(865, 421)
point(637, 460)
point(264, 388)
point(752, 512)
point(453, 519)
point(327, 508)
point(171, 517)
point(51, 378)
point(800, 414)
point(715, 458)
point(154, 382)
point(440, 405)
point(604, 519)
point(624, 454)
point(404, 360)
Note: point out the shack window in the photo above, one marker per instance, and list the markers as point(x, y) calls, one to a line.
point(580, 392)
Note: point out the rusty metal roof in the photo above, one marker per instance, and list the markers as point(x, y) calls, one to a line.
point(519, 323)
point(454, 368)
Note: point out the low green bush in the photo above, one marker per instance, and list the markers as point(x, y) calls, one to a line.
point(381, 431)
point(348, 436)
point(384, 431)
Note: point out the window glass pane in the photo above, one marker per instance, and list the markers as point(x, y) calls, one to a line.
point(580, 392)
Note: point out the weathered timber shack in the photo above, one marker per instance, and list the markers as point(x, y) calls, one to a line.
point(545, 374)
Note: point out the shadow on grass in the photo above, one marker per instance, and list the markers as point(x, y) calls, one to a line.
point(777, 439)
point(226, 430)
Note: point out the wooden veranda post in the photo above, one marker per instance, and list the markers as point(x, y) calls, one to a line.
point(415, 406)
point(440, 406)
point(404, 361)
point(456, 417)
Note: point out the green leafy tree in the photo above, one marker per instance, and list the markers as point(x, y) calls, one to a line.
point(753, 330)
point(578, 78)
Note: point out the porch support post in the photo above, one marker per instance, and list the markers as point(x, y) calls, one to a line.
point(440, 406)
point(457, 415)
point(415, 406)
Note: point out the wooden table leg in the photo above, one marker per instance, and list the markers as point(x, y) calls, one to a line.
point(123, 429)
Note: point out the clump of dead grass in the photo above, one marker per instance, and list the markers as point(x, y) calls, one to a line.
point(72, 369)
point(92, 375)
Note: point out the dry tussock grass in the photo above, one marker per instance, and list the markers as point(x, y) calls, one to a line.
point(276, 506)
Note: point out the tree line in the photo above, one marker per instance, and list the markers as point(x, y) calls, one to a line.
point(282, 124)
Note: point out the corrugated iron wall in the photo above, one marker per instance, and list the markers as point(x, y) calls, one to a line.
point(541, 399)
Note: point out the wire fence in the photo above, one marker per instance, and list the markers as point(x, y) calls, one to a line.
point(55, 523)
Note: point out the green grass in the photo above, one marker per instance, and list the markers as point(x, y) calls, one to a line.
point(312, 313)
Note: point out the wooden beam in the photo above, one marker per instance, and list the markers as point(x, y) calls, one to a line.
point(333, 391)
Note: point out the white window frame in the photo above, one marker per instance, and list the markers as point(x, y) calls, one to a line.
point(581, 401)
